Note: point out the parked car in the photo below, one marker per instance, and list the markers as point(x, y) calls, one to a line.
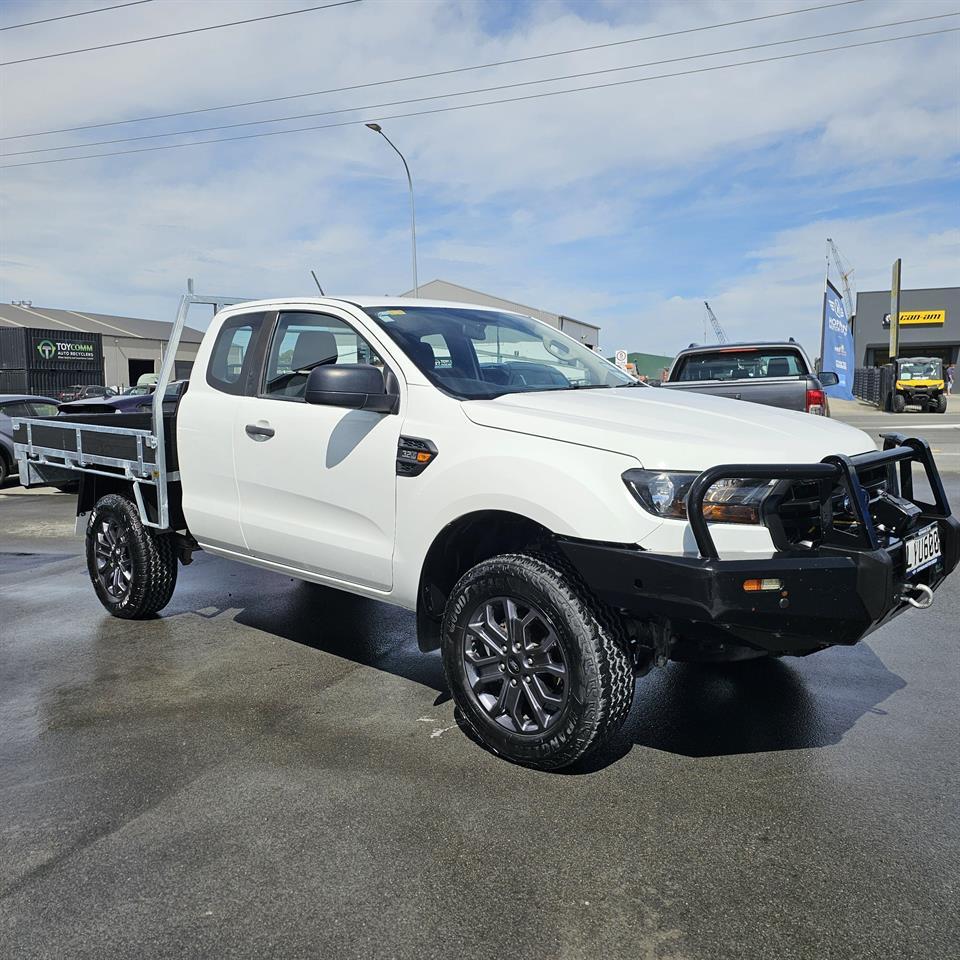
point(775, 374)
point(127, 402)
point(18, 405)
point(79, 391)
point(556, 541)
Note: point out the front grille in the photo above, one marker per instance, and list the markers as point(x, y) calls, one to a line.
point(801, 517)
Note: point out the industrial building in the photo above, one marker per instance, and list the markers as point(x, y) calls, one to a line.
point(52, 348)
point(929, 325)
point(587, 333)
point(649, 366)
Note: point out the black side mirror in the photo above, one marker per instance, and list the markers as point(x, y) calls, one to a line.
point(828, 379)
point(360, 386)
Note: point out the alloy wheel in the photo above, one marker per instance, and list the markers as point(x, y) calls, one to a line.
point(112, 555)
point(515, 665)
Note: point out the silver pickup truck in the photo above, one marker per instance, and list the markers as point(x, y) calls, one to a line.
point(775, 374)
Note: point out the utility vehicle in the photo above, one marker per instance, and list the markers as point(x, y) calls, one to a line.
point(558, 533)
point(914, 382)
point(777, 374)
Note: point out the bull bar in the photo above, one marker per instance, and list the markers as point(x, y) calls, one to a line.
point(836, 589)
point(897, 449)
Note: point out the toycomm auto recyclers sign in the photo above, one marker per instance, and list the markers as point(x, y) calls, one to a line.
point(47, 349)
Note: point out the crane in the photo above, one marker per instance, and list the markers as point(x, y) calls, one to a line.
point(846, 276)
point(715, 323)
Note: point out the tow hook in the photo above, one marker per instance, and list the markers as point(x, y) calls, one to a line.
point(918, 595)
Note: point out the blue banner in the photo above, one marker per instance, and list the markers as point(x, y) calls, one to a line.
point(837, 343)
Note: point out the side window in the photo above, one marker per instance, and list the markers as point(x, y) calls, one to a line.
point(17, 408)
point(234, 356)
point(303, 341)
point(43, 409)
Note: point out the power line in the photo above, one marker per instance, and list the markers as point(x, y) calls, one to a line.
point(438, 73)
point(67, 16)
point(483, 103)
point(179, 33)
point(464, 93)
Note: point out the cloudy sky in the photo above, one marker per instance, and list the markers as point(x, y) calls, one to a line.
point(626, 206)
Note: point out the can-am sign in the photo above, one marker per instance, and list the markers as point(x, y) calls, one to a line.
point(64, 349)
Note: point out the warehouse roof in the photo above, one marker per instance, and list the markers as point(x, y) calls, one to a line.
point(49, 318)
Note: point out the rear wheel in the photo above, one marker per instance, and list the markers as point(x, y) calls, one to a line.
point(133, 570)
point(899, 404)
point(539, 670)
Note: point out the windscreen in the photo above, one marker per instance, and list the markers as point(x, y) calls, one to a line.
point(480, 354)
point(930, 369)
point(747, 364)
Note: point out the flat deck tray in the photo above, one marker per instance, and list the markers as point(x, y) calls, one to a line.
point(103, 444)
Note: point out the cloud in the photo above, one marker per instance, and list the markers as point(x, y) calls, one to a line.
point(625, 206)
point(781, 295)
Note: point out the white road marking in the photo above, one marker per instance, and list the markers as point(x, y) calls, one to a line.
point(931, 426)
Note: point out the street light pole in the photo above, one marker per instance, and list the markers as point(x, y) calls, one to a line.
point(376, 128)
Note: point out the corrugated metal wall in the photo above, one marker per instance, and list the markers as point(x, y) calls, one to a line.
point(39, 361)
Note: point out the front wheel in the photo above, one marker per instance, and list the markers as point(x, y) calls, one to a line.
point(133, 570)
point(941, 405)
point(899, 403)
point(540, 672)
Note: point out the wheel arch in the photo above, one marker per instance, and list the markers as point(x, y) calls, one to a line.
point(462, 544)
point(94, 486)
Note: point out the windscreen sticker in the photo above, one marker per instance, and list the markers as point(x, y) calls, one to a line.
point(386, 316)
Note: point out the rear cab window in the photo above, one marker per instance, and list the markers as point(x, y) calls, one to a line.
point(748, 363)
point(234, 360)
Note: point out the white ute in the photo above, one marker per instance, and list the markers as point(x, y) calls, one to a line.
point(557, 527)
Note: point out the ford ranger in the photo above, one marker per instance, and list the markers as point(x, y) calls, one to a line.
point(557, 527)
point(775, 374)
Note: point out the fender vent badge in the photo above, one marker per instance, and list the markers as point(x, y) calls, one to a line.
point(414, 455)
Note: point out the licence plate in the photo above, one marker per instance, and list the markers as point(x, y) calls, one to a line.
point(923, 549)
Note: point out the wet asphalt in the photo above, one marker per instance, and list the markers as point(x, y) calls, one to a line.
point(271, 769)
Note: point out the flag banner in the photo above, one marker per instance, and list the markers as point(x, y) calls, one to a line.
point(837, 343)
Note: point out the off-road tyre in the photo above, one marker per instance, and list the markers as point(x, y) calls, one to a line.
point(149, 558)
point(898, 403)
point(941, 404)
point(599, 679)
point(5, 470)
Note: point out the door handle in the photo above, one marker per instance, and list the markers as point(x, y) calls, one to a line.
point(258, 433)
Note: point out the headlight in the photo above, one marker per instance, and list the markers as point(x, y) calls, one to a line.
point(727, 501)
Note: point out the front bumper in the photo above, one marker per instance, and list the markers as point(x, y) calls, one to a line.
point(835, 592)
